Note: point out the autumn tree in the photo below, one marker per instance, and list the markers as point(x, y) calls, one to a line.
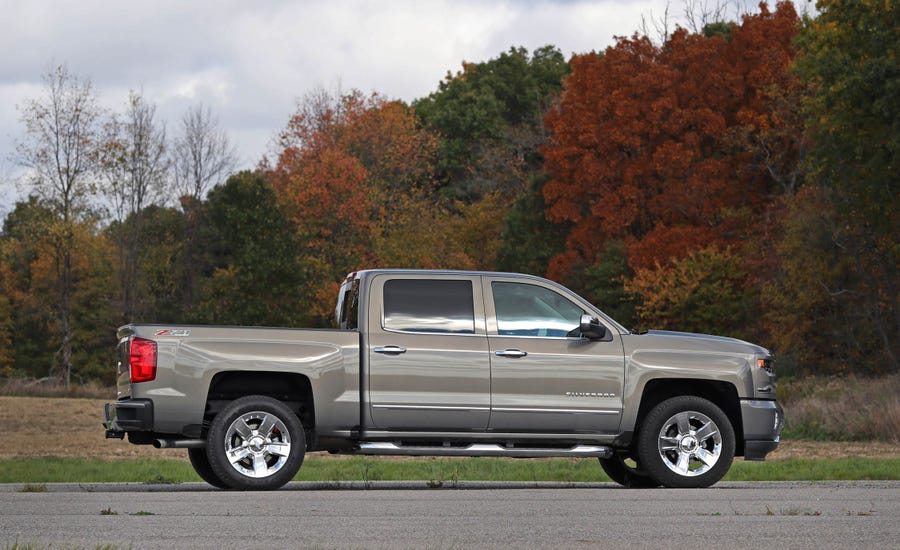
point(29, 276)
point(134, 163)
point(839, 248)
point(59, 147)
point(348, 169)
point(23, 239)
point(653, 145)
point(700, 292)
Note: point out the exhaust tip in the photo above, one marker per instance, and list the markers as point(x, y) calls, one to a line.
point(179, 443)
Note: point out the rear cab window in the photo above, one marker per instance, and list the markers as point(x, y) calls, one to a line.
point(443, 306)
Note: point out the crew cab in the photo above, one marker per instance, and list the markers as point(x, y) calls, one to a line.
point(447, 363)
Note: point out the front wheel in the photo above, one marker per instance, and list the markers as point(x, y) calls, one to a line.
point(686, 441)
point(255, 443)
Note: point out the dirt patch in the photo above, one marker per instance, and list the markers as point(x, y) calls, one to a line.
point(50, 426)
point(66, 427)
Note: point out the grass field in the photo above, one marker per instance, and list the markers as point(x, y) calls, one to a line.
point(432, 470)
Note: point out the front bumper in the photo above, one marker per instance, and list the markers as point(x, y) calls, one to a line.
point(763, 421)
point(131, 415)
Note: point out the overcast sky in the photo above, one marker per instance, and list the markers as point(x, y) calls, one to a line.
point(250, 60)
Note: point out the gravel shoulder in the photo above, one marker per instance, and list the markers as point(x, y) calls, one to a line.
point(72, 427)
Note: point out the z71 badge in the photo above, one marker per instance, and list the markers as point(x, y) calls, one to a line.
point(176, 332)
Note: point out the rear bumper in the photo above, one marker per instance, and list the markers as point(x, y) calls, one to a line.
point(763, 421)
point(131, 415)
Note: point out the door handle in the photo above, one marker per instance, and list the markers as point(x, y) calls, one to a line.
point(513, 353)
point(390, 350)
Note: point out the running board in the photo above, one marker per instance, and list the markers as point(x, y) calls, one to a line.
point(480, 449)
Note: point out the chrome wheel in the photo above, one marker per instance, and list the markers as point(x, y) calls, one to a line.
point(690, 443)
point(257, 444)
point(686, 441)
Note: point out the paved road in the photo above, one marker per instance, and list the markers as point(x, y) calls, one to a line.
point(730, 515)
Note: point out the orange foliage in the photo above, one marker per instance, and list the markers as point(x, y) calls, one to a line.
point(350, 171)
point(643, 141)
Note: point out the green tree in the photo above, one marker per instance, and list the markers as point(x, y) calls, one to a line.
point(603, 283)
point(490, 119)
point(849, 58)
point(529, 240)
point(7, 353)
point(159, 263)
point(202, 156)
point(254, 277)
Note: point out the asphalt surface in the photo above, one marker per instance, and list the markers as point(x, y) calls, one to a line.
point(466, 515)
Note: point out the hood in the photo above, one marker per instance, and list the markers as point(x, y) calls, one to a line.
point(690, 341)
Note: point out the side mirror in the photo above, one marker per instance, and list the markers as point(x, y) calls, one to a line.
point(592, 329)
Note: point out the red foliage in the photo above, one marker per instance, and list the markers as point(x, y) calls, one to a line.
point(643, 143)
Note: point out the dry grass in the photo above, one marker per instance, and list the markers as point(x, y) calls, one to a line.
point(54, 387)
point(845, 408)
point(50, 426)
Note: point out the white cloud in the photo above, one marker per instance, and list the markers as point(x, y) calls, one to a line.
point(250, 61)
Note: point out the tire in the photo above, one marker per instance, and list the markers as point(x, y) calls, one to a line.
point(200, 462)
point(686, 441)
point(256, 443)
point(620, 470)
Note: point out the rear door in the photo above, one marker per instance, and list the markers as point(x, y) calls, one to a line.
point(428, 358)
point(545, 376)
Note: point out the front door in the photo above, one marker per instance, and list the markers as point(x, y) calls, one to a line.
point(428, 360)
point(546, 377)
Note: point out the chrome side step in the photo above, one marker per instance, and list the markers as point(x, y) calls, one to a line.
point(480, 449)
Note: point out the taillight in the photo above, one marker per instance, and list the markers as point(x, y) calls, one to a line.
point(142, 359)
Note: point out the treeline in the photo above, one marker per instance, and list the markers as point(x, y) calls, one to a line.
point(739, 180)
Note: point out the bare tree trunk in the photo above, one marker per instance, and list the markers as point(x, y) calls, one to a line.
point(202, 157)
point(59, 149)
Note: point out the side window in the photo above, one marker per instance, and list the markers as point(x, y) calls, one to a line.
point(442, 306)
point(530, 310)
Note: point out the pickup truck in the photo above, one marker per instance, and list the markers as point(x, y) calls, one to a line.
point(447, 363)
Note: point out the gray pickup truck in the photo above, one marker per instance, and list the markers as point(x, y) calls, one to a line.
point(447, 363)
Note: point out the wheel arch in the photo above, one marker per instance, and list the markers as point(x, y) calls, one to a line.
point(293, 389)
point(723, 394)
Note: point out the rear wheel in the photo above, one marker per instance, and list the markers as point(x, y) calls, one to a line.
point(686, 441)
point(256, 443)
point(625, 471)
point(200, 462)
